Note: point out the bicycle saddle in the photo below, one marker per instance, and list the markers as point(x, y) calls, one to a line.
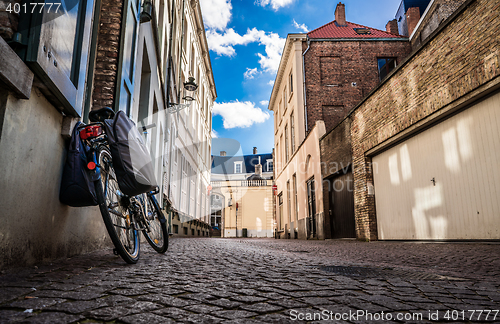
point(100, 115)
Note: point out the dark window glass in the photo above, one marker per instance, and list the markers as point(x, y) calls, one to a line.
point(385, 65)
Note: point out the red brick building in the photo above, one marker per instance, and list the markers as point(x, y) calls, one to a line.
point(343, 62)
point(322, 75)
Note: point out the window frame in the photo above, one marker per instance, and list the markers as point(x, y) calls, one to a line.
point(68, 90)
point(388, 70)
point(125, 83)
point(269, 165)
point(292, 131)
point(287, 150)
point(240, 164)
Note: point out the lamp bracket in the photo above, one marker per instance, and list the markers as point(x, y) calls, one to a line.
point(173, 107)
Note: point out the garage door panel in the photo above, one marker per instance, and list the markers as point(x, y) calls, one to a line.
point(444, 182)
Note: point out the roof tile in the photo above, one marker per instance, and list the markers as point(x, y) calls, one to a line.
point(332, 30)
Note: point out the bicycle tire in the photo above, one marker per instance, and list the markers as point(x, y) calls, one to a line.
point(116, 217)
point(158, 236)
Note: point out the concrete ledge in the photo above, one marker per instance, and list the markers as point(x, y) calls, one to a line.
point(14, 73)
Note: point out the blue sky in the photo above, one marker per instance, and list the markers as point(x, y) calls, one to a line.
point(246, 38)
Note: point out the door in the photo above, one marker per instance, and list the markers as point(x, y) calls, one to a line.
point(311, 202)
point(342, 221)
point(444, 182)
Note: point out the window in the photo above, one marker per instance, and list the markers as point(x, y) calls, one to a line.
point(128, 64)
point(286, 144)
point(269, 165)
point(289, 205)
point(290, 78)
point(294, 179)
point(311, 202)
point(285, 100)
point(58, 50)
point(277, 153)
point(185, 34)
point(238, 167)
point(279, 112)
point(281, 151)
point(280, 211)
point(385, 66)
point(292, 135)
point(193, 67)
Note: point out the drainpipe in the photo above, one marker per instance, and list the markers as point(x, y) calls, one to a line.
point(304, 83)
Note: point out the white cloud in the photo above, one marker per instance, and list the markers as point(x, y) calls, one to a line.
point(275, 4)
point(216, 13)
point(222, 44)
point(239, 114)
point(271, 82)
point(302, 27)
point(214, 134)
point(250, 73)
point(264, 102)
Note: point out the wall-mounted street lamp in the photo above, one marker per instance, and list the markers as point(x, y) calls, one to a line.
point(190, 86)
point(147, 11)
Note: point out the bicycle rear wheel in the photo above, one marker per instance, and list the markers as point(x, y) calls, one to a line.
point(157, 236)
point(117, 217)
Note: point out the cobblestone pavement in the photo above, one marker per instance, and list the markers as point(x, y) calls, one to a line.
point(209, 280)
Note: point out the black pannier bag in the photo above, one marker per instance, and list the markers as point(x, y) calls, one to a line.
point(77, 189)
point(131, 159)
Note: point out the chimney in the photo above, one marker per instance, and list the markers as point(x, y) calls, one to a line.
point(258, 167)
point(392, 27)
point(258, 170)
point(254, 150)
point(412, 18)
point(340, 14)
point(222, 153)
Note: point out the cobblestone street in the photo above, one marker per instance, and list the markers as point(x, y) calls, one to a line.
point(209, 280)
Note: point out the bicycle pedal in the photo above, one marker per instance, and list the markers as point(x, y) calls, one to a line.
point(115, 251)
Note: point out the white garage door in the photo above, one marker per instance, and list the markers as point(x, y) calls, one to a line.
point(443, 183)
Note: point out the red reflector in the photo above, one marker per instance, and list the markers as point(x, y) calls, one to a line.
point(91, 165)
point(90, 132)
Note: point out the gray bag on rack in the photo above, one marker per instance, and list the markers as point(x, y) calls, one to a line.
point(131, 159)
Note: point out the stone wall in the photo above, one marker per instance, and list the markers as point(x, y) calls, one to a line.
point(8, 21)
point(461, 58)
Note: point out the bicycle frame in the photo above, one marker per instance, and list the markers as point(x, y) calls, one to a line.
point(92, 146)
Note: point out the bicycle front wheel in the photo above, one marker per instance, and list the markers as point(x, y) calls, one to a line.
point(157, 236)
point(115, 212)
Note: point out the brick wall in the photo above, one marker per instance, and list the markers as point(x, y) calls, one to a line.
point(108, 45)
point(8, 21)
point(462, 57)
point(339, 74)
point(440, 11)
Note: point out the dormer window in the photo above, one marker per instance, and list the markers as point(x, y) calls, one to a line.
point(238, 167)
point(362, 31)
point(269, 165)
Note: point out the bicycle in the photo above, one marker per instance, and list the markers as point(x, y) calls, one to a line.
point(123, 216)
